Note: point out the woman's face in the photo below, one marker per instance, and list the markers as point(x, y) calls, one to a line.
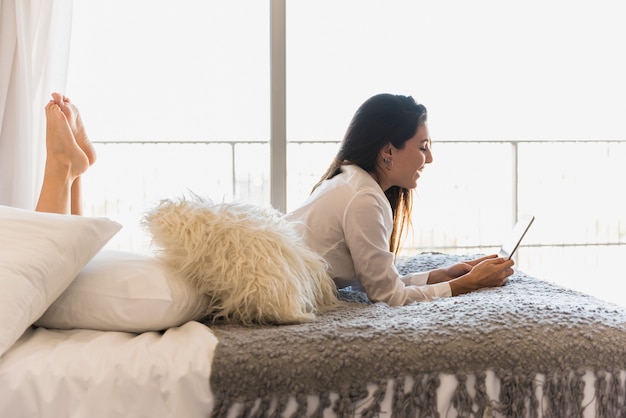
point(408, 162)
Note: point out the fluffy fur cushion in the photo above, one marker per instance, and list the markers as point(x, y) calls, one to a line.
point(249, 260)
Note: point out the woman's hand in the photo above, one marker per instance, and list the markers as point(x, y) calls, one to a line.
point(487, 272)
point(456, 270)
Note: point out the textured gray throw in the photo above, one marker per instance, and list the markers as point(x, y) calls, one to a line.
point(526, 327)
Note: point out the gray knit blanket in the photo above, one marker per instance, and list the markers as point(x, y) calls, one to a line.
point(525, 328)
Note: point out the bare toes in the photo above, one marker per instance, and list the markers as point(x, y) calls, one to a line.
point(58, 98)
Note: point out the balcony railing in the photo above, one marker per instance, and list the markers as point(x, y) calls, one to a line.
point(466, 201)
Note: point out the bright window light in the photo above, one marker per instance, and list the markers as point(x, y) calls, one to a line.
point(525, 106)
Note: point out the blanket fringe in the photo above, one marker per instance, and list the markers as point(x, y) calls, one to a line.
point(419, 401)
point(348, 398)
point(263, 408)
point(300, 411)
point(220, 409)
point(562, 396)
point(324, 402)
point(577, 393)
point(461, 400)
point(622, 410)
point(423, 399)
point(609, 402)
point(516, 392)
point(280, 406)
point(374, 406)
point(481, 397)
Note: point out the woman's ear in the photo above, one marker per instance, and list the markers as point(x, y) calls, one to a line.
point(386, 151)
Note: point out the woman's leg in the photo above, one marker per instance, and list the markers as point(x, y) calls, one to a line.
point(65, 162)
point(76, 197)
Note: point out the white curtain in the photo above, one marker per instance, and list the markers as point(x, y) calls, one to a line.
point(34, 53)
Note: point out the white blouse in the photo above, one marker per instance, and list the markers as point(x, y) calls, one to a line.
point(348, 220)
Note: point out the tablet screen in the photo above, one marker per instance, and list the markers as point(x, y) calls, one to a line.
point(519, 230)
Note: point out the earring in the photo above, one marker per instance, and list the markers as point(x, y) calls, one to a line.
point(386, 160)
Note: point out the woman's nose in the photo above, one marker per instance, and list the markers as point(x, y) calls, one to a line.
point(429, 157)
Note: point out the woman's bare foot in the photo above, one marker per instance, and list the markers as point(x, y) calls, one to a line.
point(65, 163)
point(76, 124)
point(64, 156)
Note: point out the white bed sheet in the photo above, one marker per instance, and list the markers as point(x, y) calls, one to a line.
point(85, 373)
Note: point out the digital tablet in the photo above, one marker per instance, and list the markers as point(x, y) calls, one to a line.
point(512, 242)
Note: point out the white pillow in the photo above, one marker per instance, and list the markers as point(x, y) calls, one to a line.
point(125, 291)
point(40, 254)
point(249, 260)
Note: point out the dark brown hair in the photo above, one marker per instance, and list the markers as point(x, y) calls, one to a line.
point(381, 119)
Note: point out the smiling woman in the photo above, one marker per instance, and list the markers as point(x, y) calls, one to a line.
point(357, 213)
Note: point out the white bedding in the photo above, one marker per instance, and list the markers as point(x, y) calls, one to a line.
point(84, 373)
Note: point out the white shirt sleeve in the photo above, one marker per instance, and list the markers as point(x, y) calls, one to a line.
point(367, 224)
point(416, 279)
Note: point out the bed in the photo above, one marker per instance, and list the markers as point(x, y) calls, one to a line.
point(530, 348)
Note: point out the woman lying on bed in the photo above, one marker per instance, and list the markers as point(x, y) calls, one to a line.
point(355, 215)
point(358, 211)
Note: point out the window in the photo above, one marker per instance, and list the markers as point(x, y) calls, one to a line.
point(525, 107)
point(190, 70)
point(177, 95)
